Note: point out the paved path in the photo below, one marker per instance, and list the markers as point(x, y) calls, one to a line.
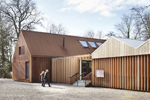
point(13, 90)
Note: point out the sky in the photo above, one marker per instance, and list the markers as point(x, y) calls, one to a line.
point(80, 15)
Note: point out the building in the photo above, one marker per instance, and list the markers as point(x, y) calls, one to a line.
point(125, 62)
point(34, 52)
point(116, 63)
point(127, 67)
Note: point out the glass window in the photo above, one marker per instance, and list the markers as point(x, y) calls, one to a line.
point(92, 44)
point(19, 50)
point(27, 70)
point(83, 43)
point(99, 44)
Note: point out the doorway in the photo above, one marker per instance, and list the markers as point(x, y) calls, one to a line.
point(85, 66)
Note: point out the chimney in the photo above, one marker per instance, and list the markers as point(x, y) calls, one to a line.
point(63, 42)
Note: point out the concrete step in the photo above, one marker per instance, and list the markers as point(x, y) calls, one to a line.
point(82, 83)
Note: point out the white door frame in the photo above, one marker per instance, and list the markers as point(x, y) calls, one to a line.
point(81, 66)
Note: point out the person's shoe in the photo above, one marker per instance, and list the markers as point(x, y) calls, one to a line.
point(49, 86)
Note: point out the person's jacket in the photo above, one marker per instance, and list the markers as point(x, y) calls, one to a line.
point(46, 75)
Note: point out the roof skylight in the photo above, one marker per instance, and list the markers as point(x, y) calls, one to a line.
point(99, 44)
point(92, 44)
point(83, 43)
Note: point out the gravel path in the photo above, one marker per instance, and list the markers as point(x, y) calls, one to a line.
point(13, 90)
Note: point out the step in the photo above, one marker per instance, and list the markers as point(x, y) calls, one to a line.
point(81, 83)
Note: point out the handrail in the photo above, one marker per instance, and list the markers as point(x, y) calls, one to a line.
point(79, 76)
point(73, 76)
point(87, 77)
point(76, 77)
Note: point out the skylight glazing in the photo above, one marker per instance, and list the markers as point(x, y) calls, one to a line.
point(98, 43)
point(92, 44)
point(83, 43)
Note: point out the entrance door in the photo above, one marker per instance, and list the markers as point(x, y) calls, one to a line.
point(86, 66)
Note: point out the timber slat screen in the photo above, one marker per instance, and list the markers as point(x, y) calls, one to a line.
point(64, 67)
point(40, 64)
point(131, 72)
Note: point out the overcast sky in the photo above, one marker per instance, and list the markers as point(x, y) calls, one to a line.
point(79, 15)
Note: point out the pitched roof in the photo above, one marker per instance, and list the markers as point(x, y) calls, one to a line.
point(133, 43)
point(47, 44)
point(118, 47)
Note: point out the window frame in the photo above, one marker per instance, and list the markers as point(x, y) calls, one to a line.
point(82, 44)
point(19, 50)
point(91, 45)
point(99, 42)
point(27, 70)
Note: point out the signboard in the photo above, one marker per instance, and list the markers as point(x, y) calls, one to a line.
point(99, 72)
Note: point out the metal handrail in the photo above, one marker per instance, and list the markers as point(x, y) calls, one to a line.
point(73, 76)
point(87, 77)
point(79, 76)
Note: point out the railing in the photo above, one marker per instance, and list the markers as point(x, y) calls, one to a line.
point(88, 77)
point(73, 77)
point(83, 75)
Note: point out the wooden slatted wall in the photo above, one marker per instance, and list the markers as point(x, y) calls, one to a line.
point(131, 72)
point(64, 67)
point(40, 64)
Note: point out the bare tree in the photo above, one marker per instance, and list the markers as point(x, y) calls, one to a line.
point(99, 34)
point(57, 29)
point(142, 16)
point(137, 31)
point(21, 13)
point(89, 33)
point(125, 27)
point(110, 33)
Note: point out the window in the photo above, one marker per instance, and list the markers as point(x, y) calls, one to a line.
point(21, 50)
point(92, 44)
point(83, 43)
point(99, 44)
point(27, 70)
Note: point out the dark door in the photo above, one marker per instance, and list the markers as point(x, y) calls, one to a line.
point(86, 66)
point(27, 70)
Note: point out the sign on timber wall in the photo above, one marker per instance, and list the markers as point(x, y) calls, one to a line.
point(99, 72)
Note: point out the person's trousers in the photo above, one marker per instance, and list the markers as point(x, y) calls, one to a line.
point(42, 83)
point(46, 80)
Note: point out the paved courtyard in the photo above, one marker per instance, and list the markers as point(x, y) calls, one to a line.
point(13, 90)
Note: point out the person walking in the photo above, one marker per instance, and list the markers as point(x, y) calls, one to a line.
point(46, 78)
point(42, 78)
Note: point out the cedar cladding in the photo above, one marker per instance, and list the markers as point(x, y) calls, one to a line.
point(129, 72)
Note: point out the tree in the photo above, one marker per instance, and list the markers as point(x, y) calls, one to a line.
point(137, 31)
point(110, 33)
point(22, 14)
point(99, 34)
point(56, 29)
point(6, 42)
point(89, 33)
point(125, 27)
point(142, 16)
